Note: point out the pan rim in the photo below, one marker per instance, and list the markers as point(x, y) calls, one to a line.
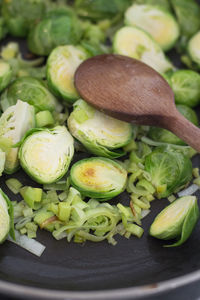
point(138, 292)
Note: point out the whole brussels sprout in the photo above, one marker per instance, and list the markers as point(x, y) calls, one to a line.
point(14, 123)
point(100, 134)
point(45, 154)
point(166, 136)
point(20, 15)
point(136, 43)
point(57, 28)
point(169, 170)
point(186, 87)
point(101, 9)
point(161, 3)
point(5, 74)
point(30, 90)
point(61, 66)
point(155, 20)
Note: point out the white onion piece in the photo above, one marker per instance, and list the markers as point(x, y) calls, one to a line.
point(145, 212)
point(189, 191)
point(28, 244)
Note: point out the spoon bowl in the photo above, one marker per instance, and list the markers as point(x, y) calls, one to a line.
point(130, 90)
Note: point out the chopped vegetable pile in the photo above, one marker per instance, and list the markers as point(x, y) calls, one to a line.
point(79, 158)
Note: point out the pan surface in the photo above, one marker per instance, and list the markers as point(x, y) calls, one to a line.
point(130, 269)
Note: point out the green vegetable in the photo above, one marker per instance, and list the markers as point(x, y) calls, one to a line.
point(136, 43)
point(165, 136)
point(20, 15)
point(98, 177)
point(193, 49)
point(155, 20)
point(61, 66)
point(161, 3)
point(6, 217)
point(187, 13)
point(44, 118)
point(186, 87)
point(5, 74)
point(58, 28)
point(169, 170)
point(3, 28)
point(14, 123)
point(30, 90)
point(176, 221)
point(45, 154)
point(101, 9)
point(32, 196)
point(99, 133)
point(2, 161)
point(14, 185)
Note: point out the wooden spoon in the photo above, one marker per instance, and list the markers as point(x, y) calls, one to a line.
point(130, 90)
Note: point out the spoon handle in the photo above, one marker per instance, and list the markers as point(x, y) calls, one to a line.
point(185, 130)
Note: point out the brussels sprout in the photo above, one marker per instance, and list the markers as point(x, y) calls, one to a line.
point(166, 136)
point(14, 123)
point(155, 20)
point(59, 28)
point(187, 13)
point(194, 48)
point(30, 90)
point(6, 217)
point(98, 177)
point(5, 74)
point(20, 15)
point(136, 43)
point(100, 134)
point(45, 154)
point(177, 220)
point(61, 66)
point(101, 9)
point(186, 87)
point(169, 170)
point(3, 28)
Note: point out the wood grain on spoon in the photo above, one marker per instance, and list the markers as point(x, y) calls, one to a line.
point(129, 90)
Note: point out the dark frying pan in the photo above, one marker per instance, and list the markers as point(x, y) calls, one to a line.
point(133, 269)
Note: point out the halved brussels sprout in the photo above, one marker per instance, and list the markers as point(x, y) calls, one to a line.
point(177, 220)
point(155, 20)
point(61, 66)
point(14, 123)
point(57, 28)
point(98, 177)
point(194, 48)
point(5, 74)
point(45, 154)
point(31, 90)
point(186, 87)
point(136, 43)
point(20, 15)
point(6, 217)
point(166, 136)
point(169, 170)
point(100, 134)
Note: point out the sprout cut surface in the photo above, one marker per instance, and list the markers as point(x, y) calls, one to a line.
point(62, 64)
point(136, 43)
point(45, 154)
point(99, 133)
point(155, 20)
point(98, 177)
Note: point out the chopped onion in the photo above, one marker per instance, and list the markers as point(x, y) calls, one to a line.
point(145, 212)
point(189, 191)
point(28, 244)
